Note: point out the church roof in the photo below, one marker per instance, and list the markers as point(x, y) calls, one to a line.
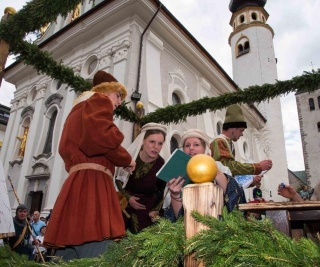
point(235, 5)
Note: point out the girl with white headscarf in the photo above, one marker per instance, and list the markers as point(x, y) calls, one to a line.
point(195, 141)
point(142, 189)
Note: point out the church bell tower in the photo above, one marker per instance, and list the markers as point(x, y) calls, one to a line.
point(254, 63)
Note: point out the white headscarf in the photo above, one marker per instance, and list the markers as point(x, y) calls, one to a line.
point(191, 133)
point(135, 148)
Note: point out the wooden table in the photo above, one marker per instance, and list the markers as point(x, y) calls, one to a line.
point(288, 217)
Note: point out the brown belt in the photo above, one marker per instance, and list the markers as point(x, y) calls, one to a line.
point(91, 166)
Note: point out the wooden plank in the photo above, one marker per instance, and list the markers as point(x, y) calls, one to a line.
point(304, 215)
point(304, 205)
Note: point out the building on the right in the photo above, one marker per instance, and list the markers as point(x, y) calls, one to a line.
point(308, 105)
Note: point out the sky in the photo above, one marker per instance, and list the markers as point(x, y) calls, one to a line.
point(295, 24)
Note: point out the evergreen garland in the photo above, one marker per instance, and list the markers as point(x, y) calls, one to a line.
point(235, 241)
point(38, 13)
point(232, 241)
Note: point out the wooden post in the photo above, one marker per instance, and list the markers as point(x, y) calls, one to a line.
point(205, 198)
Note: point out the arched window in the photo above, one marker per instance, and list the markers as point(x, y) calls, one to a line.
point(48, 144)
point(240, 49)
point(319, 102)
point(311, 104)
point(175, 99)
point(241, 19)
point(174, 144)
point(246, 46)
point(254, 16)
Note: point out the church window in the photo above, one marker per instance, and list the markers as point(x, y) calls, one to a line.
point(319, 102)
point(311, 104)
point(174, 144)
point(92, 66)
point(246, 149)
point(254, 16)
point(48, 144)
point(175, 99)
point(32, 95)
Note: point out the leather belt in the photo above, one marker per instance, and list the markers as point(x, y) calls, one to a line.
point(91, 166)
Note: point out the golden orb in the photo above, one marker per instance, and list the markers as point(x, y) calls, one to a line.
point(202, 168)
point(9, 10)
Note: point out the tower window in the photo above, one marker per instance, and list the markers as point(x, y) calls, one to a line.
point(246, 46)
point(241, 19)
point(318, 124)
point(243, 47)
point(311, 104)
point(240, 49)
point(254, 16)
point(319, 102)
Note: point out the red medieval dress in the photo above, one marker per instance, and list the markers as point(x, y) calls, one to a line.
point(87, 208)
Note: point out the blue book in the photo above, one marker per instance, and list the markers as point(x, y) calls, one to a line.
point(175, 166)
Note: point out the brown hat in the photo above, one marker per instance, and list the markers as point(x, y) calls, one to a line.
point(104, 82)
point(234, 118)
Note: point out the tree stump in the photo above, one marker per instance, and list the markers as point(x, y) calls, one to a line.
point(205, 198)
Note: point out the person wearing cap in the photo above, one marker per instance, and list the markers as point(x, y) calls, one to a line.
point(90, 147)
point(222, 147)
point(142, 189)
point(194, 142)
point(20, 243)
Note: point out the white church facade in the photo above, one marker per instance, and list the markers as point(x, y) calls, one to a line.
point(148, 50)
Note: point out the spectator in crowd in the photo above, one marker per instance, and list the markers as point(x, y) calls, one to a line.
point(304, 193)
point(42, 249)
point(257, 193)
point(36, 224)
point(289, 192)
point(20, 243)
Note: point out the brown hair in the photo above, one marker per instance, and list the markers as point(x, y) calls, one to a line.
point(155, 131)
